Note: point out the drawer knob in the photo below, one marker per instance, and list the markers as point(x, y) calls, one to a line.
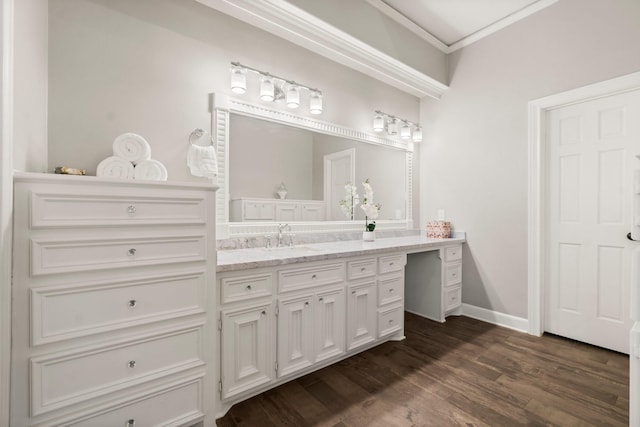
point(132, 303)
point(390, 321)
point(264, 312)
point(248, 287)
point(390, 290)
point(131, 209)
point(130, 423)
point(131, 252)
point(454, 274)
point(313, 276)
point(306, 303)
point(320, 299)
point(362, 269)
point(131, 364)
point(353, 292)
point(391, 263)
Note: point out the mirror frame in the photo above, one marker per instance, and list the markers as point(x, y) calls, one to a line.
point(222, 106)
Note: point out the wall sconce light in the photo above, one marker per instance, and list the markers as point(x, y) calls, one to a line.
point(393, 125)
point(274, 88)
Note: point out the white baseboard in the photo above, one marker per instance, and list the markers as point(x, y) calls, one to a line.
point(506, 320)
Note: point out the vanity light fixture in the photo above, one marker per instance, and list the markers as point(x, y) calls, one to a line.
point(393, 125)
point(275, 88)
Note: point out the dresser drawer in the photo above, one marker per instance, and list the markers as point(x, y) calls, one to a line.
point(452, 297)
point(359, 269)
point(300, 278)
point(70, 256)
point(245, 287)
point(52, 209)
point(390, 290)
point(391, 263)
point(180, 405)
point(59, 380)
point(452, 274)
point(453, 253)
point(390, 320)
point(63, 312)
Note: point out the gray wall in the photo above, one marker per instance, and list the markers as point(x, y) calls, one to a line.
point(474, 159)
point(147, 66)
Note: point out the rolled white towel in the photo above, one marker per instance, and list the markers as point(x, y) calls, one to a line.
point(115, 167)
point(202, 161)
point(151, 170)
point(132, 147)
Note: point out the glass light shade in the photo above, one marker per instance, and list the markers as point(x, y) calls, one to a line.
point(293, 96)
point(392, 127)
point(417, 134)
point(405, 131)
point(238, 80)
point(267, 88)
point(315, 103)
point(378, 123)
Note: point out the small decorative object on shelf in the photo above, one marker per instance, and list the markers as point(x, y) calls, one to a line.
point(282, 191)
point(64, 170)
point(371, 211)
point(438, 229)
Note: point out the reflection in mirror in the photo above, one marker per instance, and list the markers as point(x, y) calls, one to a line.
point(264, 155)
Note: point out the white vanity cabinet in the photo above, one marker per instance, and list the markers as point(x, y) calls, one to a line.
point(247, 331)
point(324, 312)
point(311, 316)
point(110, 302)
point(281, 210)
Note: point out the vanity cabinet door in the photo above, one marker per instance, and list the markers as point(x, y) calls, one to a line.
point(361, 314)
point(330, 324)
point(247, 348)
point(258, 211)
point(295, 336)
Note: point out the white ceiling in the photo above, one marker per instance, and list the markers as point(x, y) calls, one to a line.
point(452, 24)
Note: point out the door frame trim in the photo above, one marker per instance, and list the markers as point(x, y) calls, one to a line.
point(537, 174)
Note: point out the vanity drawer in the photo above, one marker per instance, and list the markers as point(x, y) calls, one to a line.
point(70, 256)
point(390, 320)
point(180, 405)
point(300, 278)
point(453, 253)
point(245, 287)
point(390, 290)
point(391, 263)
point(452, 273)
point(56, 209)
point(63, 312)
point(361, 268)
point(452, 297)
point(59, 380)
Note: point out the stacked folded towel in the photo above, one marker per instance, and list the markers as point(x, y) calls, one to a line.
point(132, 160)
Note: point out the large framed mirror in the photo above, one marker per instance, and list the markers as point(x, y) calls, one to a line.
point(278, 167)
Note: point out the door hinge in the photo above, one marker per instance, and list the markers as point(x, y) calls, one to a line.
point(220, 386)
point(276, 364)
point(277, 310)
point(220, 324)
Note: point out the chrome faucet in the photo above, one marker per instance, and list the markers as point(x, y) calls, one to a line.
point(281, 235)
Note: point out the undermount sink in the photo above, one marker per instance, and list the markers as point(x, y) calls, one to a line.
point(290, 249)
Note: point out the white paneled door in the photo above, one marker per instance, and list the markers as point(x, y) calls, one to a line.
point(591, 159)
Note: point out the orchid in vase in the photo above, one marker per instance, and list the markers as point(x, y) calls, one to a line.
point(370, 209)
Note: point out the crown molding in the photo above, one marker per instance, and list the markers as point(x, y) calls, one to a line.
point(297, 26)
point(466, 41)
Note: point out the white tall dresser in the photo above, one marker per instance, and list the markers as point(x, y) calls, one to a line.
point(113, 285)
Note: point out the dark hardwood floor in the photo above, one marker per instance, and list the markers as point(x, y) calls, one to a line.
point(462, 372)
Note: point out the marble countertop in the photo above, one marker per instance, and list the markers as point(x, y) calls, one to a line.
point(240, 259)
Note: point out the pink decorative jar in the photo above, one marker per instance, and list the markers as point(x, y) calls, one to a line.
point(438, 229)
